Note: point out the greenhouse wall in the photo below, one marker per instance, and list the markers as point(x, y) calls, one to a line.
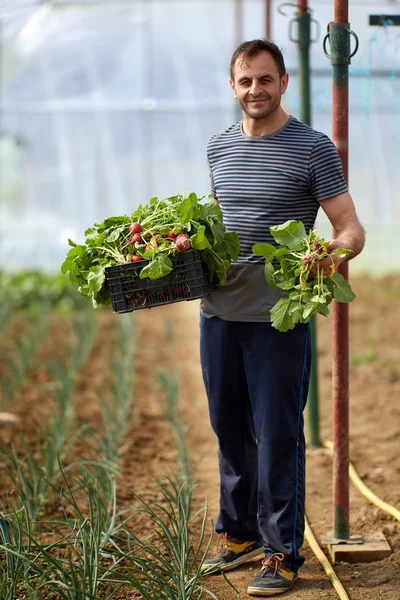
point(107, 104)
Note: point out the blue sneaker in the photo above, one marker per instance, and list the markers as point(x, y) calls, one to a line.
point(274, 578)
point(231, 553)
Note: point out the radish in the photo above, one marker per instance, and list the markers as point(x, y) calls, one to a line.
point(171, 235)
point(135, 228)
point(136, 258)
point(182, 242)
point(136, 238)
point(148, 248)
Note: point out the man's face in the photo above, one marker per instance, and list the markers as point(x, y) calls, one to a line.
point(257, 85)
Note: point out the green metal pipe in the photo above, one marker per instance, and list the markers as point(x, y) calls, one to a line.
point(303, 44)
point(303, 22)
point(314, 440)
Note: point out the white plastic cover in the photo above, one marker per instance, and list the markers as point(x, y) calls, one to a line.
point(105, 104)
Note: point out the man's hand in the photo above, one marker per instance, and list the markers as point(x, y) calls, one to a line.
point(331, 263)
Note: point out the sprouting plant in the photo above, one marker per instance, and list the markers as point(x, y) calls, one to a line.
point(18, 570)
point(20, 357)
point(117, 410)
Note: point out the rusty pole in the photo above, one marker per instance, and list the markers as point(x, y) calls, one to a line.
point(340, 53)
point(302, 6)
point(238, 23)
point(238, 17)
point(268, 11)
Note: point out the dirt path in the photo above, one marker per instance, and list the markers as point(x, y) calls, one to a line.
point(375, 412)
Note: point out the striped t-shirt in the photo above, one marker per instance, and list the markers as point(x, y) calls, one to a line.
point(260, 182)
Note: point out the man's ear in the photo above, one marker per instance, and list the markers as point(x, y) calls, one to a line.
point(284, 82)
point(232, 83)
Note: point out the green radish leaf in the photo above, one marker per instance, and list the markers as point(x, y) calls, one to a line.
point(322, 309)
point(280, 253)
point(295, 295)
point(309, 310)
point(96, 278)
point(210, 210)
point(290, 234)
point(159, 267)
point(148, 254)
point(286, 285)
point(231, 245)
point(318, 299)
point(269, 275)
point(342, 291)
point(341, 252)
point(199, 241)
point(266, 250)
point(114, 235)
point(295, 313)
point(217, 229)
point(186, 211)
point(115, 221)
point(280, 315)
point(72, 254)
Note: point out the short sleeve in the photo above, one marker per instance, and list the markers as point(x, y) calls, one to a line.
point(212, 183)
point(326, 177)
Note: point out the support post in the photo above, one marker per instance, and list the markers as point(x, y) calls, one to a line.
point(303, 44)
point(341, 545)
point(339, 36)
point(268, 28)
point(238, 40)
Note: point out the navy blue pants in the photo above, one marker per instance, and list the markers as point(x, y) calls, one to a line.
point(256, 379)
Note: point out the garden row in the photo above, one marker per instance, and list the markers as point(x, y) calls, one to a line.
point(70, 526)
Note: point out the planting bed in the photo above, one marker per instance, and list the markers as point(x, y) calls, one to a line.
point(168, 337)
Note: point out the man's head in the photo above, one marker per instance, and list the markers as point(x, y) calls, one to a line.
point(258, 77)
point(250, 49)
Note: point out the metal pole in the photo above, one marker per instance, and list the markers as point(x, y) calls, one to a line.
point(238, 23)
point(304, 41)
point(238, 40)
point(303, 24)
point(268, 28)
point(339, 36)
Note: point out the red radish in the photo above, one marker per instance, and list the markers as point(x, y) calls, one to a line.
point(182, 242)
point(135, 228)
point(148, 248)
point(171, 235)
point(136, 258)
point(136, 238)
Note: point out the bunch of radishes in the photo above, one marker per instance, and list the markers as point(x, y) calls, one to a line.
point(143, 241)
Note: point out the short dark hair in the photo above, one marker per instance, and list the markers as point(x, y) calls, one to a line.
point(255, 47)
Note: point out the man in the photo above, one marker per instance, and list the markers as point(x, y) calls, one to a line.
point(264, 170)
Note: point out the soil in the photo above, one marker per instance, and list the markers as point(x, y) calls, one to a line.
point(168, 338)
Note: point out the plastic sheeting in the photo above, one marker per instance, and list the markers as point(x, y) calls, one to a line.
point(105, 104)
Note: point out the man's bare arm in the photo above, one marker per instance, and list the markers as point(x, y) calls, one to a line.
point(349, 232)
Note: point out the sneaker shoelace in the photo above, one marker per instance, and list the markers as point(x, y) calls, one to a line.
point(272, 562)
point(223, 545)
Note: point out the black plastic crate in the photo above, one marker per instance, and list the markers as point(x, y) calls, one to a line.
point(187, 281)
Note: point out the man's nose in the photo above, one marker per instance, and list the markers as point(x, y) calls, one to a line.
point(255, 88)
